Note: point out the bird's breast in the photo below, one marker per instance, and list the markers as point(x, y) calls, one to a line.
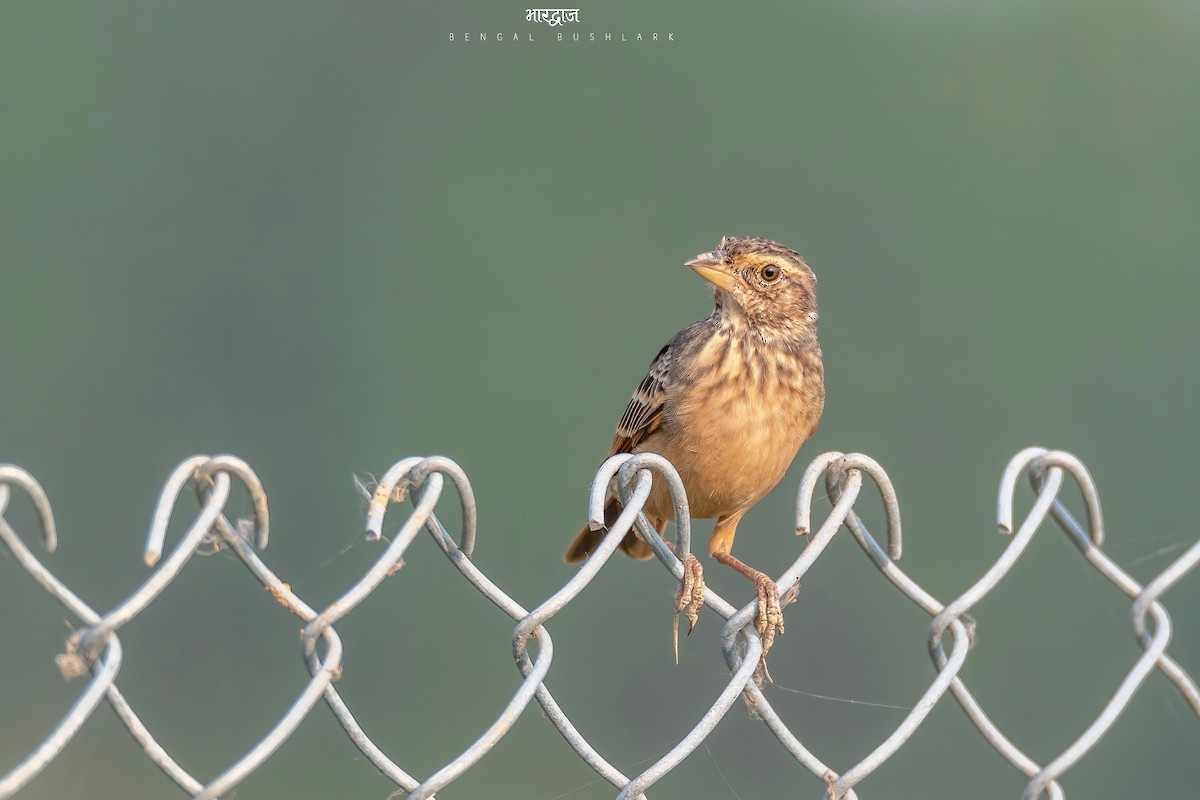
point(733, 425)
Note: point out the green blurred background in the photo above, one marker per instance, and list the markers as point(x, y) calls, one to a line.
point(323, 237)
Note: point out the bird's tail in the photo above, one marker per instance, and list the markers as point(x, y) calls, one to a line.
point(588, 540)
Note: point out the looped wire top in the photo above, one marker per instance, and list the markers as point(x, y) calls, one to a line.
point(11, 474)
point(624, 468)
point(837, 467)
point(1038, 460)
point(204, 471)
point(415, 472)
point(236, 467)
point(449, 468)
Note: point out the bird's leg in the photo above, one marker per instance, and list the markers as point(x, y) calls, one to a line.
point(690, 597)
point(770, 610)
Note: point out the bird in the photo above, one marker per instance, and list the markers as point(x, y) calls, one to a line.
point(728, 401)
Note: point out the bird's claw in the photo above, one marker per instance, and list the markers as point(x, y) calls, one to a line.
point(690, 598)
point(770, 616)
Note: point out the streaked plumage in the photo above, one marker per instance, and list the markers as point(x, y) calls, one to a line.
point(728, 401)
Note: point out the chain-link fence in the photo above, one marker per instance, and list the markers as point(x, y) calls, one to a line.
point(96, 648)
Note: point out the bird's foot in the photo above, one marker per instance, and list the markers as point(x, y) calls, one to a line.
point(690, 598)
point(770, 617)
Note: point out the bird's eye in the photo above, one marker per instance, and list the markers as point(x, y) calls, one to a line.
point(770, 273)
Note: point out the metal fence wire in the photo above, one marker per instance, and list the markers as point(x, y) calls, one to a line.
point(95, 647)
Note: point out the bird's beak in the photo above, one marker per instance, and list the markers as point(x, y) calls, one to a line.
point(712, 267)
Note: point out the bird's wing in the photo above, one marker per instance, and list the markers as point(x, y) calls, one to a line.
point(644, 413)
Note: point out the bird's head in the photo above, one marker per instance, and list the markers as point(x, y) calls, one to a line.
point(762, 285)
